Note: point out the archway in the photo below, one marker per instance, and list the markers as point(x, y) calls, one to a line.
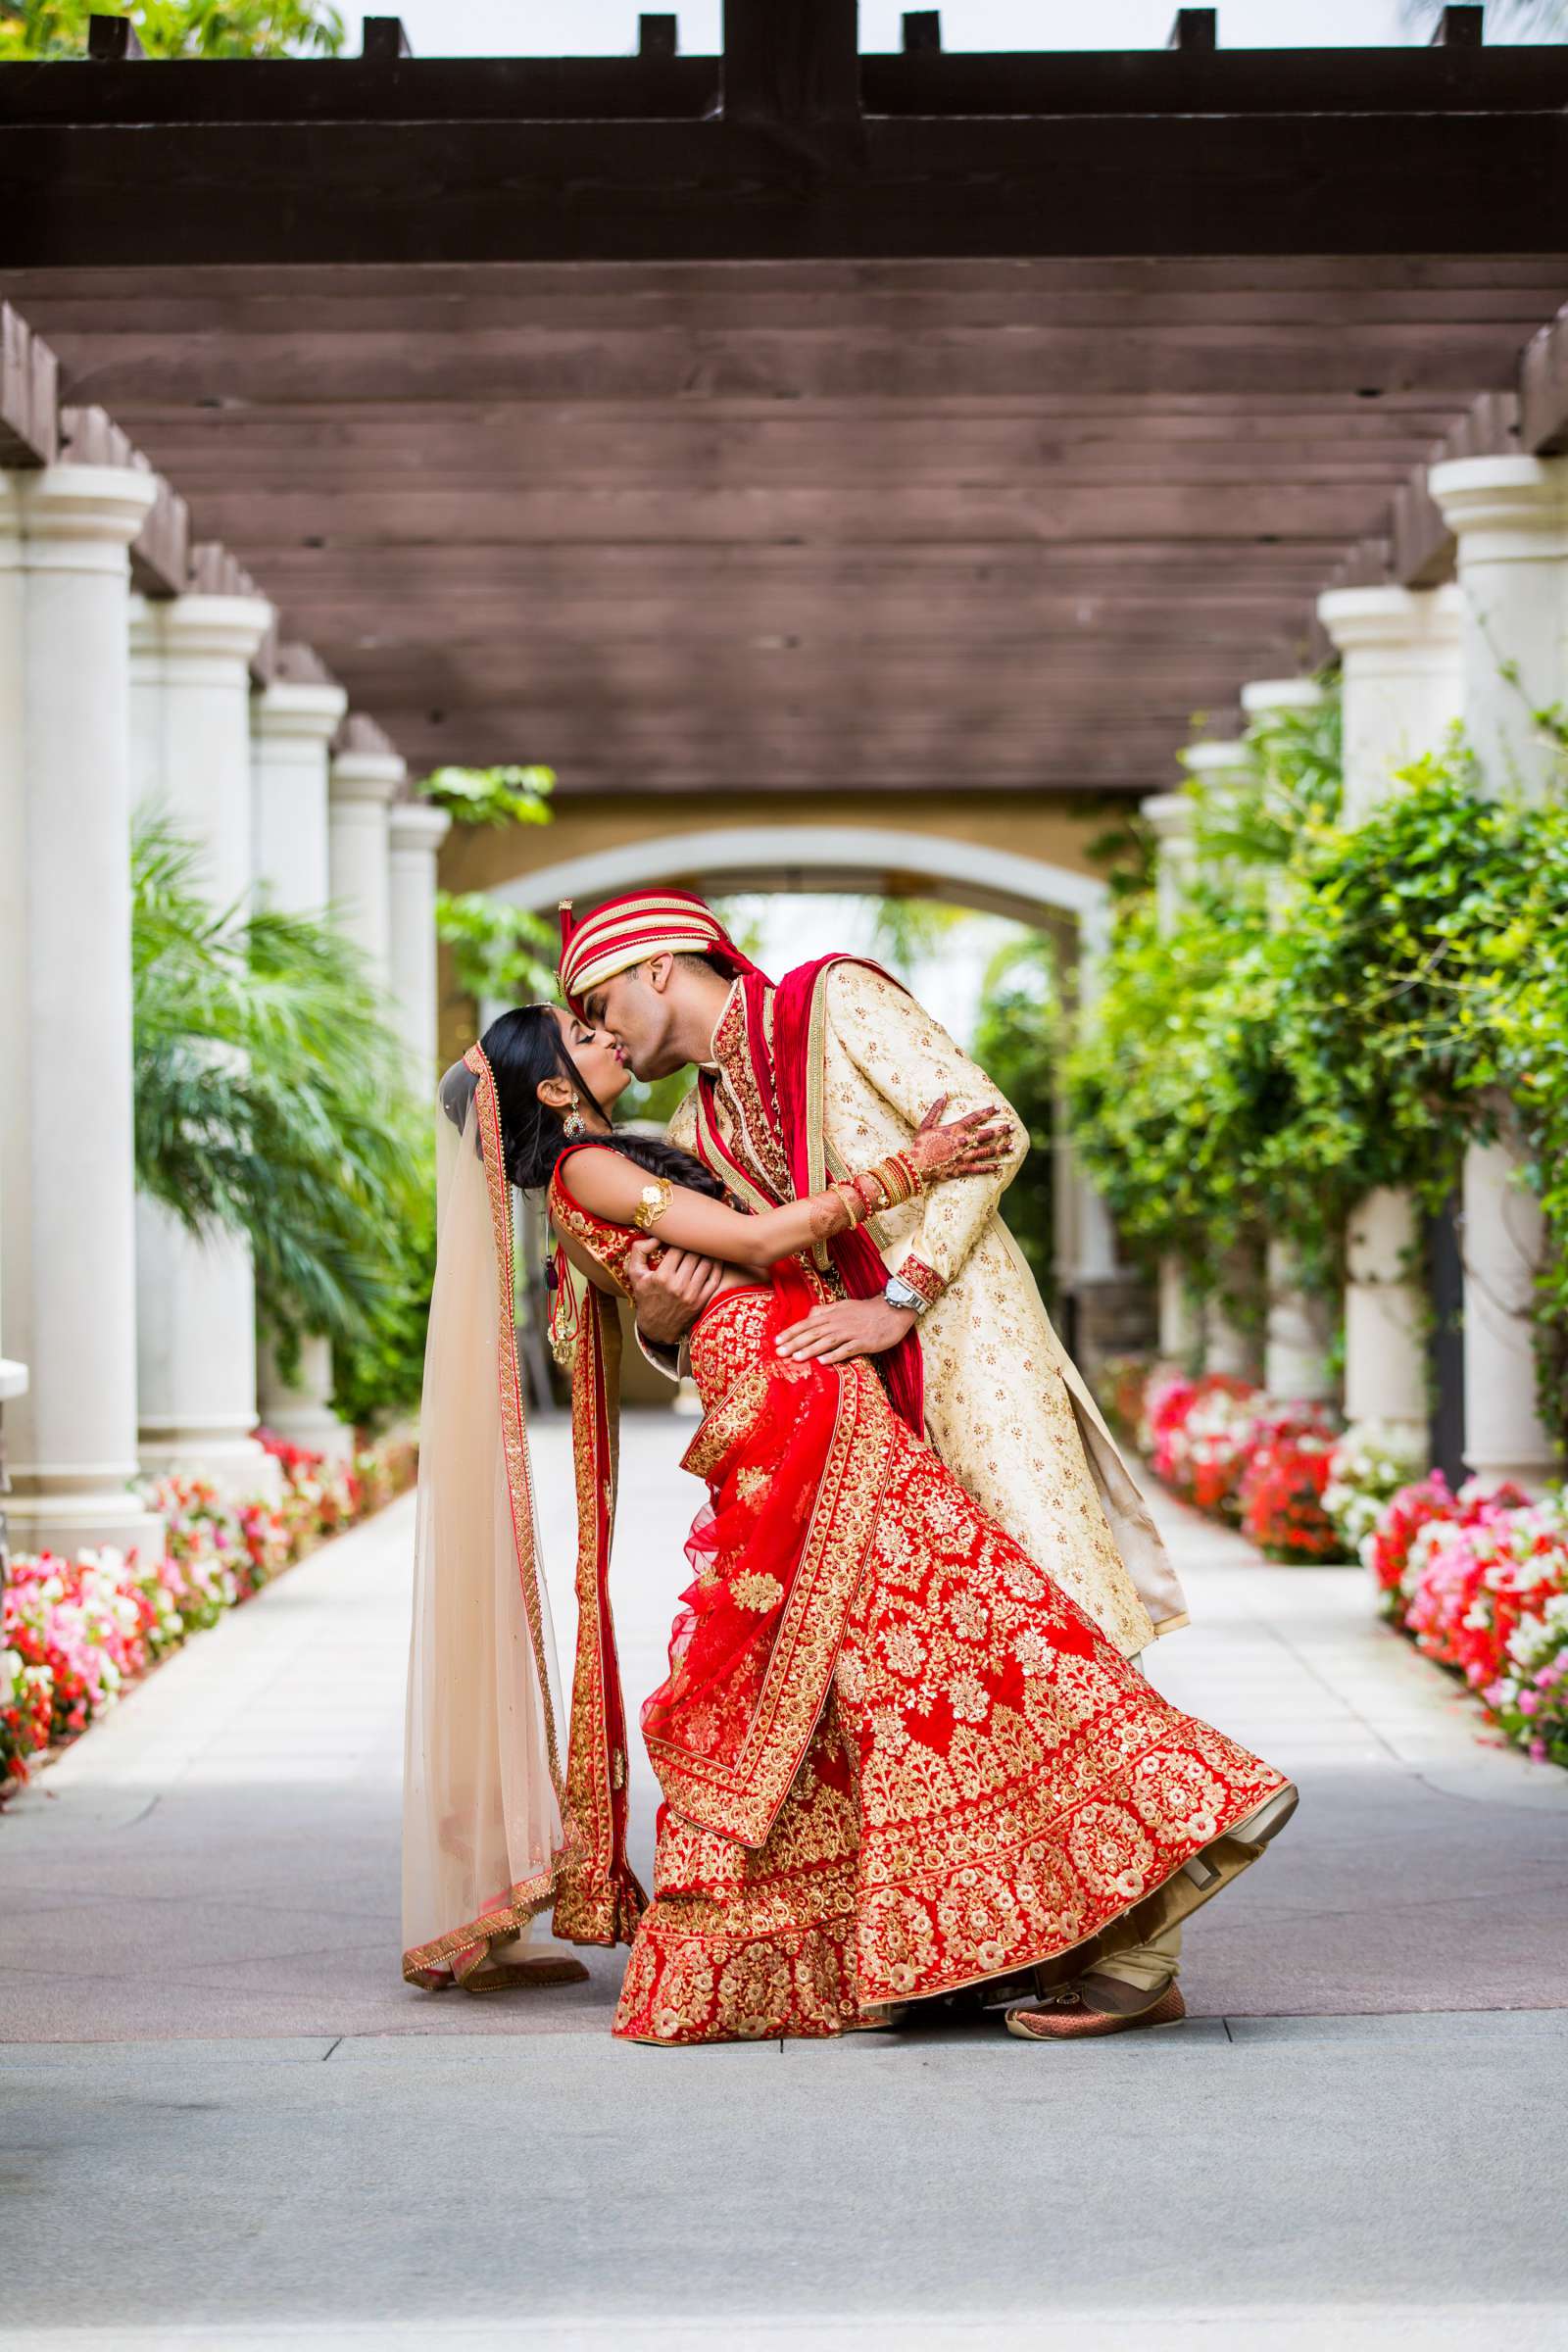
point(1101, 1303)
point(869, 858)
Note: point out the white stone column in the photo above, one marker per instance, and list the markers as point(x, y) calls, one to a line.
point(196, 1296)
point(1402, 688)
point(1298, 1330)
point(364, 779)
point(1096, 1255)
point(1510, 519)
point(66, 1167)
point(1221, 767)
point(292, 724)
point(1170, 816)
point(1181, 1324)
point(1228, 1343)
point(1385, 1316)
point(1502, 1239)
point(1401, 681)
point(417, 832)
point(1272, 698)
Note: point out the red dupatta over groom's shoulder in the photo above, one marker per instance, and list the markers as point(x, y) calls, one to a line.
point(777, 1076)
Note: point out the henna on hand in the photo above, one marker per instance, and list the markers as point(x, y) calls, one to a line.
point(964, 1147)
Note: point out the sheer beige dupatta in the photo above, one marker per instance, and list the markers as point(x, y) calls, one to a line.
point(483, 1838)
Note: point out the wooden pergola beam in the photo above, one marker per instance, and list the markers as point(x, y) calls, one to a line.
point(816, 152)
point(774, 57)
point(1416, 550)
point(1544, 390)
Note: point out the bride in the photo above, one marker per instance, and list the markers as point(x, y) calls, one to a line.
point(896, 1760)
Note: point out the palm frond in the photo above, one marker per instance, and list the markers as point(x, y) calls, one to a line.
point(271, 1097)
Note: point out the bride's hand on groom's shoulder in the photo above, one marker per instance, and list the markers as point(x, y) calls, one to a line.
point(669, 1289)
point(970, 1145)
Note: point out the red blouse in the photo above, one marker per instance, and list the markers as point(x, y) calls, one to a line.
point(606, 1244)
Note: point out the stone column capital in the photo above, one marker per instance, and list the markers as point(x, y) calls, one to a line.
point(1269, 698)
point(1392, 619)
point(1171, 814)
point(197, 637)
point(1504, 509)
point(374, 777)
point(417, 829)
point(297, 710)
point(80, 517)
point(1218, 761)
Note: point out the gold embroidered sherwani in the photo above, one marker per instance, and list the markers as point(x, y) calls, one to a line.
point(1006, 1407)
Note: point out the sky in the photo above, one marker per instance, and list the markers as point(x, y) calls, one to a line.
point(592, 28)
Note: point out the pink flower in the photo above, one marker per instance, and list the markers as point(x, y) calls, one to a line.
point(1527, 1703)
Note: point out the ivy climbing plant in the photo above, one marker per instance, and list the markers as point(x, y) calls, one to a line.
point(1337, 1008)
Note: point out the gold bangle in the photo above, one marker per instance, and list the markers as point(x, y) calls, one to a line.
point(894, 1176)
point(913, 1170)
point(854, 1205)
point(652, 1203)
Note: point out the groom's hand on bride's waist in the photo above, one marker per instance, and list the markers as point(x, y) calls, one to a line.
point(848, 1327)
point(669, 1289)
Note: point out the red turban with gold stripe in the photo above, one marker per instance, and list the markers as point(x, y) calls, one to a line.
point(628, 930)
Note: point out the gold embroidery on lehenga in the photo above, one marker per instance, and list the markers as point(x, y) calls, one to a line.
point(962, 1821)
point(951, 1775)
point(757, 1591)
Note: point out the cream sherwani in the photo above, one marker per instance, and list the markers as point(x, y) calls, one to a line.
point(1006, 1407)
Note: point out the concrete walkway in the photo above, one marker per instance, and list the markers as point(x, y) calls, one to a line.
point(227, 2123)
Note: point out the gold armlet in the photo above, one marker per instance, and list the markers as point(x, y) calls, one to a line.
point(652, 1203)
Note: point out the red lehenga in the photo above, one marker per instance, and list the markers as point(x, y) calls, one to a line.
point(896, 1760)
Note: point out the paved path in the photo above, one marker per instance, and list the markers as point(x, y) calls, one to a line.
point(227, 2123)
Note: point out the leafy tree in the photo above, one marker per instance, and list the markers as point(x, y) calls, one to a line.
point(491, 796)
point(906, 931)
point(1351, 1023)
point(47, 28)
point(270, 1097)
point(498, 949)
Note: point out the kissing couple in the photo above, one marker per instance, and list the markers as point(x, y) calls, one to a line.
point(905, 1744)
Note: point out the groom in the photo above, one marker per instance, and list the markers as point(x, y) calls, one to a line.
point(796, 1084)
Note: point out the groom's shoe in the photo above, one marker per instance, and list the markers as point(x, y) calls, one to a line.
point(1270, 1818)
point(1070, 2015)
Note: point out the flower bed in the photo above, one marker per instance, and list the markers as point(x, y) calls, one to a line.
point(1227, 1449)
point(1477, 1578)
point(1479, 1581)
point(75, 1632)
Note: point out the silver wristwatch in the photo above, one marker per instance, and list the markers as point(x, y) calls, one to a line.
point(901, 1293)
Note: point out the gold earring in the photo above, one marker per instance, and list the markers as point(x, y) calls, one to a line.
point(573, 1123)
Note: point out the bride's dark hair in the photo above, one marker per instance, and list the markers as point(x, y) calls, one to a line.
point(523, 1048)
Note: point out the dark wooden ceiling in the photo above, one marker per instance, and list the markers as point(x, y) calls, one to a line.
point(675, 522)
